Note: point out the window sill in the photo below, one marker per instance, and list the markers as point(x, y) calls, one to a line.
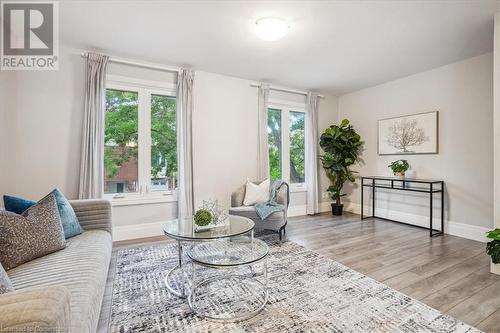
point(141, 200)
point(297, 189)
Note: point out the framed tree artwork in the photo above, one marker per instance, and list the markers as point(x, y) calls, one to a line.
point(407, 135)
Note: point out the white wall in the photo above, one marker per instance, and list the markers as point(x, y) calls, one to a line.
point(462, 92)
point(45, 132)
point(495, 268)
point(45, 127)
point(225, 136)
point(7, 82)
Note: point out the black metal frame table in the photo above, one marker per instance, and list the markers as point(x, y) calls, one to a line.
point(184, 231)
point(401, 184)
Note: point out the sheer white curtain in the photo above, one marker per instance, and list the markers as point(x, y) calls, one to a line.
point(312, 156)
point(262, 148)
point(185, 199)
point(92, 156)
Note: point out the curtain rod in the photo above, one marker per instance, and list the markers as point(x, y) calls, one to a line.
point(283, 89)
point(130, 62)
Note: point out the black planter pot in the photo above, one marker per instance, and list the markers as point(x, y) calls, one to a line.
point(337, 209)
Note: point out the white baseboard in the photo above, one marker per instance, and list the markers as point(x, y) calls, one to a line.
point(297, 210)
point(152, 229)
point(459, 229)
point(450, 227)
point(134, 231)
point(301, 210)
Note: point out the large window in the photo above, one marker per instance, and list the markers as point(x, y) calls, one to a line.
point(121, 153)
point(140, 144)
point(274, 142)
point(297, 149)
point(286, 144)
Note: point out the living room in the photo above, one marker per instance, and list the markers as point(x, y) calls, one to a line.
point(250, 166)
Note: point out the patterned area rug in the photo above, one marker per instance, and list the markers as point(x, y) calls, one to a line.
point(307, 293)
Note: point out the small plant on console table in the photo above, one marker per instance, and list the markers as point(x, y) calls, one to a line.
point(399, 167)
point(341, 145)
point(493, 247)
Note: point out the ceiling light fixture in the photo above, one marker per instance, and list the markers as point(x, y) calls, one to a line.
point(271, 29)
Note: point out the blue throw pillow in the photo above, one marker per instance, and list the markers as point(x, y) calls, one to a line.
point(69, 220)
point(16, 205)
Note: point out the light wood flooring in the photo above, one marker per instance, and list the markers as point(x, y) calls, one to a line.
point(448, 273)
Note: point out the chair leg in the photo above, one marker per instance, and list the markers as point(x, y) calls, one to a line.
point(281, 236)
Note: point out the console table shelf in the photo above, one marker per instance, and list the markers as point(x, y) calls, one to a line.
point(405, 184)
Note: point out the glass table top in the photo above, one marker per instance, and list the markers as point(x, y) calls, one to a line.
point(185, 229)
point(231, 252)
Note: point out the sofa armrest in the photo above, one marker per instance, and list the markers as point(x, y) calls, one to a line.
point(93, 214)
point(41, 309)
point(283, 195)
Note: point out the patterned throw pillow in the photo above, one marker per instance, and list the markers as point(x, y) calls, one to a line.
point(35, 233)
point(69, 220)
point(5, 284)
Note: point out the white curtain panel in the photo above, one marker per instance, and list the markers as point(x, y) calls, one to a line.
point(262, 148)
point(92, 156)
point(185, 203)
point(311, 151)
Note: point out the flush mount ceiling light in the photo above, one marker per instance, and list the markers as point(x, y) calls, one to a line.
point(271, 28)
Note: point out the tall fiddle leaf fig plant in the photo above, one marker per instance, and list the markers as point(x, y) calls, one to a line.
point(342, 146)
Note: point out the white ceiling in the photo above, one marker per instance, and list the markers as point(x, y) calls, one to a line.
point(335, 46)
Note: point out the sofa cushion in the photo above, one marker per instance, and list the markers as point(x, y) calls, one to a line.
point(273, 222)
point(69, 220)
point(35, 233)
point(256, 193)
point(16, 205)
point(82, 268)
point(5, 284)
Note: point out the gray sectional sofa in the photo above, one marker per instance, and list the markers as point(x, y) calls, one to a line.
point(63, 291)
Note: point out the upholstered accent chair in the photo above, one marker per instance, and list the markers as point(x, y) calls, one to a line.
point(275, 222)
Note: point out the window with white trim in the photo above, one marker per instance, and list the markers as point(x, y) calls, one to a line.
point(286, 127)
point(140, 138)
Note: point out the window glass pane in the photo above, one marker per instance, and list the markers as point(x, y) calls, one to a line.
point(274, 141)
point(297, 150)
point(163, 143)
point(121, 142)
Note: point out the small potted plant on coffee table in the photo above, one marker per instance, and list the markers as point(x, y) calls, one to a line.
point(202, 219)
point(399, 168)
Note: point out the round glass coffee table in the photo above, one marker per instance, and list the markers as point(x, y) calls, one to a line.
point(237, 294)
point(183, 230)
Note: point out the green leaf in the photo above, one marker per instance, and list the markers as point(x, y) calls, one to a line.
point(493, 234)
point(342, 146)
point(493, 249)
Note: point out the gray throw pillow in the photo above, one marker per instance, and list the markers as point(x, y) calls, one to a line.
point(5, 284)
point(35, 233)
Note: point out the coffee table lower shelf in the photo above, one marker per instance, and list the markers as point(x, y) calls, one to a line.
point(229, 297)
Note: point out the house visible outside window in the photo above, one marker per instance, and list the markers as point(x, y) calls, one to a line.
point(140, 139)
point(286, 125)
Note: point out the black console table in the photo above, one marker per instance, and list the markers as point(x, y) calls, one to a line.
point(406, 184)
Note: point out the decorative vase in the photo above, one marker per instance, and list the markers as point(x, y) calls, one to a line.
point(400, 174)
point(337, 209)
